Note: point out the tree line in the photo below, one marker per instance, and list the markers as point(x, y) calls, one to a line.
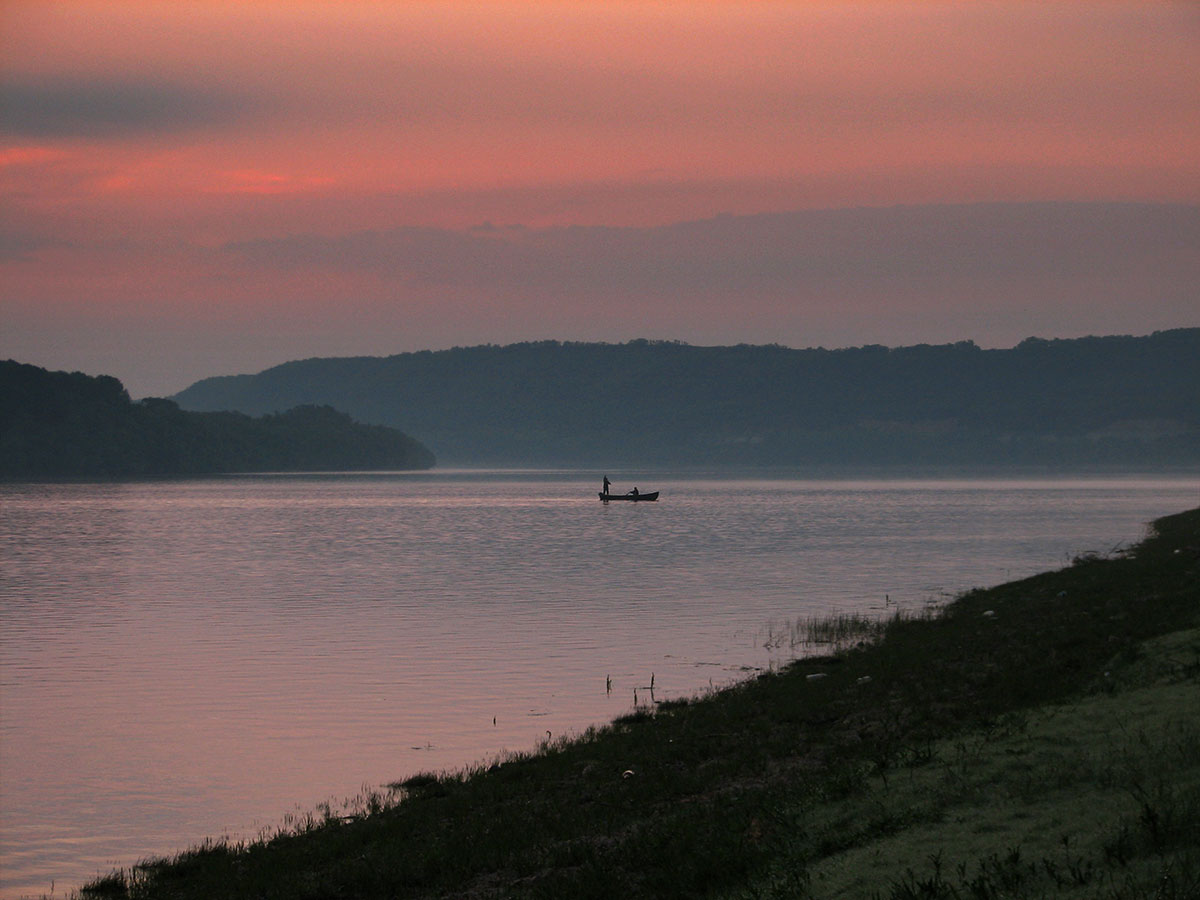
point(67, 424)
point(1115, 400)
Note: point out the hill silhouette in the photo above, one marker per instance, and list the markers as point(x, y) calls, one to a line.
point(1096, 401)
point(60, 424)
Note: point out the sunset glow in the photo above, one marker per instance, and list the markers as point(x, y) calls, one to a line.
point(143, 146)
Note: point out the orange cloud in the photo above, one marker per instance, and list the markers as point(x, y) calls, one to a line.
point(21, 156)
point(253, 181)
point(408, 99)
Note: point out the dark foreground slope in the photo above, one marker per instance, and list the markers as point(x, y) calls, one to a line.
point(69, 425)
point(1111, 400)
point(1038, 739)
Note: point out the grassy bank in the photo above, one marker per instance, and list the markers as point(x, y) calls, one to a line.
point(1037, 739)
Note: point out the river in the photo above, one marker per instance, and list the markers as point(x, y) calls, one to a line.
point(182, 659)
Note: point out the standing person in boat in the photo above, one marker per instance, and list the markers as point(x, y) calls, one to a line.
point(606, 484)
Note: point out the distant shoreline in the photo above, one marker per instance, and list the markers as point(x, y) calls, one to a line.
point(829, 474)
point(70, 425)
point(1116, 400)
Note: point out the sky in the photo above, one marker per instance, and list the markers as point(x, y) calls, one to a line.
point(200, 188)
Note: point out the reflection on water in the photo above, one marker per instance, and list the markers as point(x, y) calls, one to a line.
point(191, 658)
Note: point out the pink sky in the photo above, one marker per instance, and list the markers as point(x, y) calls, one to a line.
point(202, 188)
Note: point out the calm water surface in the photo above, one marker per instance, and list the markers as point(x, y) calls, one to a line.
point(184, 659)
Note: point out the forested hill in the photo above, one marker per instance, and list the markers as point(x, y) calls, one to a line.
point(1101, 401)
point(59, 424)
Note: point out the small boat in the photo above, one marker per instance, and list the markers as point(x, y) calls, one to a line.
point(649, 495)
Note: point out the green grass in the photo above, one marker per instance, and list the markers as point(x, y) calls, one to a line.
point(1038, 739)
point(1083, 799)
